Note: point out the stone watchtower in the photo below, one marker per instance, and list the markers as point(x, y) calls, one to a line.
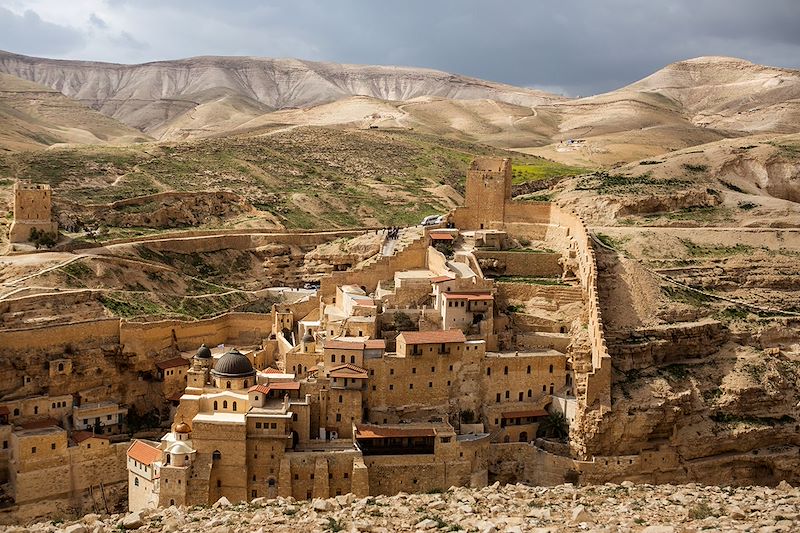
point(488, 190)
point(33, 209)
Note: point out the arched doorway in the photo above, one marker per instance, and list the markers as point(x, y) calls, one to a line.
point(272, 488)
point(523, 436)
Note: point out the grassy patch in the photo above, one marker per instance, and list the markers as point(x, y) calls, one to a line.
point(687, 296)
point(541, 169)
point(698, 250)
point(605, 183)
point(695, 169)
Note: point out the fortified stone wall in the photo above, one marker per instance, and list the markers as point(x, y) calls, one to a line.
point(540, 265)
point(413, 257)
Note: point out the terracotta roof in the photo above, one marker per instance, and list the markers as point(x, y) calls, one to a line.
point(374, 344)
point(40, 424)
point(348, 375)
point(441, 237)
point(313, 371)
point(468, 296)
point(378, 432)
point(284, 385)
point(349, 366)
point(175, 397)
point(530, 413)
point(4, 411)
point(344, 373)
point(172, 363)
point(144, 453)
point(270, 370)
point(335, 344)
point(433, 337)
point(80, 436)
point(263, 389)
point(440, 279)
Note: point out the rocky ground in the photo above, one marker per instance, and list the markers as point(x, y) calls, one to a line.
point(509, 508)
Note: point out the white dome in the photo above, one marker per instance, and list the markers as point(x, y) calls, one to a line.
point(179, 448)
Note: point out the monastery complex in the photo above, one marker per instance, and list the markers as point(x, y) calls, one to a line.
point(402, 373)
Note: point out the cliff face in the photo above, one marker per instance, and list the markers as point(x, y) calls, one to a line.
point(149, 95)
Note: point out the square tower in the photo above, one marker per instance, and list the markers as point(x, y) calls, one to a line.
point(488, 190)
point(33, 208)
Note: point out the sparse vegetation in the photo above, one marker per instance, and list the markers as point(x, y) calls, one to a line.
point(541, 169)
point(696, 169)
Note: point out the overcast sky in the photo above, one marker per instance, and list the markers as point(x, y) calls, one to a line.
point(576, 47)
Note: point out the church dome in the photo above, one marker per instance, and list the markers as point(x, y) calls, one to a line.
point(233, 364)
point(203, 352)
point(179, 448)
point(183, 427)
point(308, 337)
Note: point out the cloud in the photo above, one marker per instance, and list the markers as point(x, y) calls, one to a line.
point(580, 47)
point(28, 33)
point(97, 22)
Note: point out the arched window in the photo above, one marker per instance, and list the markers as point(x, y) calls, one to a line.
point(271, 482)
point(342, 358)
point(353, 359)
point(340, 398)
point(36, 409)
point(520, 396)
point(551, 388)
point(54, 405)
point(530, 393)
point(529, 369)
point(225, 404)
point(488, 371)
point(551, 369)
point(172, 502)
point(216, 456)
point(505, 370)
point(16, 412)
point(245, 384)
point(136, 481)
point(234, 406)
point(228, 385)
point(168, 459)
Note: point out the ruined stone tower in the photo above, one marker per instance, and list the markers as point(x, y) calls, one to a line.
point(488, 190)
point(33, 208)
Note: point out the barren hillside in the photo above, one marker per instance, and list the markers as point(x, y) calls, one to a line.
point(149, 95)
point(33, 116)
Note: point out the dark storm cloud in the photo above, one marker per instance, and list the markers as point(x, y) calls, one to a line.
point(580, 47)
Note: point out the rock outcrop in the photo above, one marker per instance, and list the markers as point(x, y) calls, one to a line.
point(494, 509)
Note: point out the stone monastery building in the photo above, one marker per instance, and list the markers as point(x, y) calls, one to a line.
point(398, 375)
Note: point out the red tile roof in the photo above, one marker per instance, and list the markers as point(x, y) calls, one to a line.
point(441, 237)
point(335, 344)
point(468, 296)
point(378, 432)
point(440, 279)
point(80, 436)
point(263, 389)
point(172, 363)
point(348, 370)
point(374, 344)
point(270, 370)
point(40, 424)
point(4, 411)
point(530, 413)
point(433, 337)
point(285, 385)
point(144, 453)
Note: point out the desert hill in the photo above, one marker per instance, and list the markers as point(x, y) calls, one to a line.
point(684, 104)
point(34, 116)
point(149, 95)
